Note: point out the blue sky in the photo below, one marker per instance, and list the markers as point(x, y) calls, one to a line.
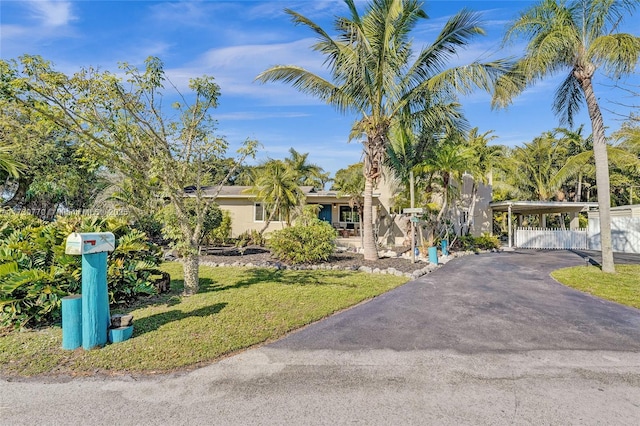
point(234, 41)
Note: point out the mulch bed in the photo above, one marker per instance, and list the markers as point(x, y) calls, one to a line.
point(341, 259)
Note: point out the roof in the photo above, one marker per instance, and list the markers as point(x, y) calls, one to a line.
point(541, 207)
point(237, 191)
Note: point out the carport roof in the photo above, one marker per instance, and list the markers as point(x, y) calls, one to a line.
point(542, 207)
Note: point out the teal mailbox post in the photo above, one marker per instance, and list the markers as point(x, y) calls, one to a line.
point(93, 247)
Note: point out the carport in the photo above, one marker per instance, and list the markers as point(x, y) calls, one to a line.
point(543, 237)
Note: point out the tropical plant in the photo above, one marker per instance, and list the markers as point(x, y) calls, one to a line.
point(8, 163)
point(309, 240)
point(35, 272)
point(580, 37)
point(276, 185)
point(309, 174)
point(376, 74)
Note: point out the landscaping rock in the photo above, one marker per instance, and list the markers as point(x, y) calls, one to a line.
point(121, 320)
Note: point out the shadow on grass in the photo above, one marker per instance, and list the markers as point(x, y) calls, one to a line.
point(253, 276)
point(153, 322)
point(301, 278)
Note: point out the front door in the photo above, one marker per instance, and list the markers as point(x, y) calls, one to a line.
point(325, 213)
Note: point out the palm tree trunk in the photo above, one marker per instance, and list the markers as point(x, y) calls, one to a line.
point(270, 217)
point(579, 190)
point(602, 176)
point(369, 245)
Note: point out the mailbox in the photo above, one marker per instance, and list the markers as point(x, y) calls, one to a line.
point(90, 242)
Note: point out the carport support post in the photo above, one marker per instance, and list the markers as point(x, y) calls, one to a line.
point(95, 300)
point(413, 224)
point(509, 225)
point(575, 221)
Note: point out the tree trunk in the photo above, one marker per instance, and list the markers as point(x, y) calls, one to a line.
point(579, 190)
point(370, 248)
point(20, 194)
point(602, 175)
point(190, 266)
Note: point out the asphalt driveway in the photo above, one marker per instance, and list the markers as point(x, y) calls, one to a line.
point(496, 302)
point(488, 339)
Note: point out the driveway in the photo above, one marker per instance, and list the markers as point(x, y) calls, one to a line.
point(487, 339)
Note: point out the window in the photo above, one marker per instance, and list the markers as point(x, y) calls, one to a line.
point(258, 212)
point(349, 214)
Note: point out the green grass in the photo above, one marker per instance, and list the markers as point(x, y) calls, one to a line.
point(622, 287)
point(235, 309)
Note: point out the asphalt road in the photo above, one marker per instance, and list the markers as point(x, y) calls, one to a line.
point(488, 339)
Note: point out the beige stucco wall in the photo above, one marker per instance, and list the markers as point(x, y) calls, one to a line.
point(389, 224)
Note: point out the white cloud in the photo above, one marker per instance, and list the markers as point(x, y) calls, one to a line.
point(236, 67)
point(52, 13)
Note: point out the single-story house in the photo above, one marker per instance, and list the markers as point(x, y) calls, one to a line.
point(247, 213)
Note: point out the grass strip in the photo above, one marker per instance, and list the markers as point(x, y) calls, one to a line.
point(236, 308)
point(622, 287)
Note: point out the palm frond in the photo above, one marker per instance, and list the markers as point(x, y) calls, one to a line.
point(618, 54)
point(568, 99)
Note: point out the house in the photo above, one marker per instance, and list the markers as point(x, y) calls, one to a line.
point(248, 214)
point(390, 226)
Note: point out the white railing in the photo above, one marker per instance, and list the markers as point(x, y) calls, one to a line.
point(539, 238)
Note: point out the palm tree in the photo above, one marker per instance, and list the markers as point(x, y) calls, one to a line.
point(577, 36)
point(484, 159)
point(350, 182)
point(276, 185)
point(376, 75)
point(309, 174)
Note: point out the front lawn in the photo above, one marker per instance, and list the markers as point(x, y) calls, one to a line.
point(235, 309)
point(622, 287)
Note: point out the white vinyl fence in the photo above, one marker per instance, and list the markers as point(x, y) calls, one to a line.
point(625, 234)
point(539, 238)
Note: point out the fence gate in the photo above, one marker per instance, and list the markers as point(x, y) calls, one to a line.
point(562, 239)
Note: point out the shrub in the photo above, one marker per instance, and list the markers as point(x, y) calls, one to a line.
point(222, 233)
point(487, 242)
point(250, 238)
point(483, 242)
point(307, 241)
point(35, 273)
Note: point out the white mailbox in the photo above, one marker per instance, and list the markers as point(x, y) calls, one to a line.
point(90, 242)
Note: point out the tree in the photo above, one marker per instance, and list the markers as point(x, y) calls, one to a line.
point(122, 122)
point(309, 174)
point(350, 182)
point(376, 75)
point(578, 36)
point(276, 185)
point(484, 160)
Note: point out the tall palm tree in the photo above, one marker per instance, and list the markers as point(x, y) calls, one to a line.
point(276, 185)
point(375, 74)
point(577, 36)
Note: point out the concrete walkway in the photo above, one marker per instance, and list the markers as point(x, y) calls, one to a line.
point(488, 339)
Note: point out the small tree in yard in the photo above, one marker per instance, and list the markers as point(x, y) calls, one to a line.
point(123, 123)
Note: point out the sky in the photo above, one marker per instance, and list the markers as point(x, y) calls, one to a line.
point(234, 41)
